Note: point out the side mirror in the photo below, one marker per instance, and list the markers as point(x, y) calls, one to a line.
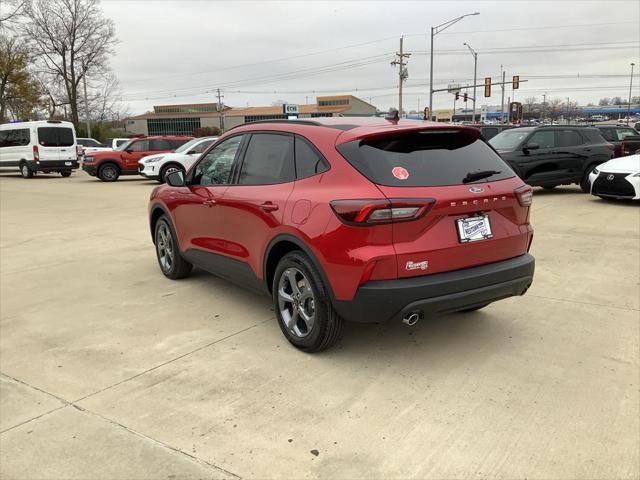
point(176, 179)
point(530, 146)
point(191, 152)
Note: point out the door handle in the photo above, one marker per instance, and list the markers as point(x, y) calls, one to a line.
point(269, 207)
point(209, 203)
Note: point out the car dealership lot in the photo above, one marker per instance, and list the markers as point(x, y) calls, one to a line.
point(110, 370)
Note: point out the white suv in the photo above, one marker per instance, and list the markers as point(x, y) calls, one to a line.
point(159, 165)
point(42, 146)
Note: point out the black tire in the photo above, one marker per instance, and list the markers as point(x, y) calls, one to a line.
point(25, 171)
point(473, 309)
point(585, 186)
point(65, 173)
point(108, 172)
point(167, 169)
point(170, 260)
point(327, 326)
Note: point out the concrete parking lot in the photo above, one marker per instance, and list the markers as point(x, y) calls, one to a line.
point(109, 370)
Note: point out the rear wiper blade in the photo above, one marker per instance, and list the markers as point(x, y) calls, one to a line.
point(471, 176)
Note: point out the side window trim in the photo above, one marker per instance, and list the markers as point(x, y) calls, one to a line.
point(239, 160)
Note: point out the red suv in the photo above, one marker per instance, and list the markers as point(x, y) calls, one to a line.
point(362, 219)
point(109, 165)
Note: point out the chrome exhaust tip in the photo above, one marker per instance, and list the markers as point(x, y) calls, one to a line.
point(411, 319)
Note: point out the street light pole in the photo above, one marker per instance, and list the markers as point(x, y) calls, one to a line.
point(630, 86)
point(434, 31)
point(475, 72)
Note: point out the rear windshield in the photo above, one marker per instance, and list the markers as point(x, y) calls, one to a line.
point(55, 137)
point(424, 159)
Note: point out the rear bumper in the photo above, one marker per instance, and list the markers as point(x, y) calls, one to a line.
point(384, 300)
point(52, 165)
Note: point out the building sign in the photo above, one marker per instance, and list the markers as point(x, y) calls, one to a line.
point(290, 110)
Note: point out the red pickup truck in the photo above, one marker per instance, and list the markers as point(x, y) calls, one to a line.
point(108, 166)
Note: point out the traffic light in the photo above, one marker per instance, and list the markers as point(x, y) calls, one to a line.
point(457, 95)
point(516, 82)
point(487, 87)
point(465, 97)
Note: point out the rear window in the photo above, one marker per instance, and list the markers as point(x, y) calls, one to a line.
point(424, 159)
point(177, 143)
point(55, 137)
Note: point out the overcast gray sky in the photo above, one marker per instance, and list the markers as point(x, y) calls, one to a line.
point(258, 52)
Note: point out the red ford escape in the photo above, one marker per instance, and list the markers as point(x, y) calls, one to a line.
point(361, 219)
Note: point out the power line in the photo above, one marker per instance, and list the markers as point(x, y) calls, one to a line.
point(518, 29)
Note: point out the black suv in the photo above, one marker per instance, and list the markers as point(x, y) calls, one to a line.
point(553, 155)
point(623, 138)
point(490, 131)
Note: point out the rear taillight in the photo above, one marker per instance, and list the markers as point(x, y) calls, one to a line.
point(622, 152)
point(524, 194)
point(36, 153)
point(376, 212)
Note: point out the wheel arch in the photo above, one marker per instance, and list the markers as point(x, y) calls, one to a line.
point(156, 212)
point(278, 247)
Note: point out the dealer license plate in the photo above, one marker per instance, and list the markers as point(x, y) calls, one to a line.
point(67, 163)
point(474, 228)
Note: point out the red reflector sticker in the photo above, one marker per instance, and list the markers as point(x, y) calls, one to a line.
point(400, 173)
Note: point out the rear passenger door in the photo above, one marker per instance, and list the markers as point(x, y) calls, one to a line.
point(252, 208)
point(572, 153)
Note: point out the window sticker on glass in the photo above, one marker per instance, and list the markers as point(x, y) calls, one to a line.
point(400, 173)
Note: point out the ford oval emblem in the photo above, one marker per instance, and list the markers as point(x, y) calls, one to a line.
point(476, 189)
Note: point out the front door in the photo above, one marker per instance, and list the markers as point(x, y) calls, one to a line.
point(197, 216)
point(537, 165)
point(134, 152)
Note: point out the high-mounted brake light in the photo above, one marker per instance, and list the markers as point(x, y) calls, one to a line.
point(36, 153)
point(524, 194)
point(376, 212)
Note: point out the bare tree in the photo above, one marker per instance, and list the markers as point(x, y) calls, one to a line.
point(11, 11)
point(71, 39)
point(530, 104)
point(554, 108)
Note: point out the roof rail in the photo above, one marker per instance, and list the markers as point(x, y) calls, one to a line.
point(280, 120)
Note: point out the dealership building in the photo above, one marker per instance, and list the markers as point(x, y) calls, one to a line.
point(184, 119)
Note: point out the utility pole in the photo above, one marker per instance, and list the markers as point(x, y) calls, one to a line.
point(630, 86)
point(568, 111)
point(402, 72)
point(475, 72)
point(502, 101)
point(434, 31)
point(86, 103)
point(544, 104)
point(221, 111)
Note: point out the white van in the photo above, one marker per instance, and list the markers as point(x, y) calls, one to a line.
point(42, 146)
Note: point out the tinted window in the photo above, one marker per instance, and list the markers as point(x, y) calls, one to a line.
point(543, 138)
point(215, 167)
point(201, 147)
point(157, 145)
point(139, 146)
point(489, 132)
point(55, 137)
point(510, 139)
point(269, 160)
point(609, 134)
point(121, 142)
point(308, 160)
point(176, 143)
point(569, 138)
point(15, 138)
point(426, 158)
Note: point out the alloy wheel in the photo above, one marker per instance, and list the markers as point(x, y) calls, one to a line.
point(296, 302)
point(164, 247)
point(109, 173)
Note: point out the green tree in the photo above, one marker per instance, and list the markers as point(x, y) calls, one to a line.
point(20, 93)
